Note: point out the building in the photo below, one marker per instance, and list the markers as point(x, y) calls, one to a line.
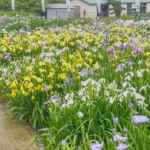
point(61, 11)
point(92, 8)
point(88, 8)
point(141, 6)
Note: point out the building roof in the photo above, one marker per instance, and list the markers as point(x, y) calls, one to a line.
point(135, 1)
point(57, 6)
point(92, 2)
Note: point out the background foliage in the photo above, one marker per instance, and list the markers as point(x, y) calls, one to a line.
point(30, 5)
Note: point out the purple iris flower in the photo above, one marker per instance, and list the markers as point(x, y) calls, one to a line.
point(111, 50)
point(7, 56)
point(140, 119)
point(96, 146)
point(46, 88)
point(106, 36)
point(137, 50)
point(122, 146)
point(123, 47)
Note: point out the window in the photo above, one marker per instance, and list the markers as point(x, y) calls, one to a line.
point(104, 9)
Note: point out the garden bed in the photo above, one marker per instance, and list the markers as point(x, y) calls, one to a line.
point(81, 87)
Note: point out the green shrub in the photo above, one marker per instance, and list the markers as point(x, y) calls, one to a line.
point(26, 5)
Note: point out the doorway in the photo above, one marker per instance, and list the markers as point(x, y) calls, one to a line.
point(104, 10)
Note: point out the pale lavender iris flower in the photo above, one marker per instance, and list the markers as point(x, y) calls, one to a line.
point(122, 146)
point(7, 56)
point(111, 50)
point(140, 119)
point(46, 88)
point(96, 146)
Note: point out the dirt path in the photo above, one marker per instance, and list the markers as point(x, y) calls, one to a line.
point(14, 135)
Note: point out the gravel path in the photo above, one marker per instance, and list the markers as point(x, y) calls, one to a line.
point(14, 135)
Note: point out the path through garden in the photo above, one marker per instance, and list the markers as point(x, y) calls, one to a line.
point(14, 135)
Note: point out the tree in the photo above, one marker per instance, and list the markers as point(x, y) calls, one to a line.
point(117, 6)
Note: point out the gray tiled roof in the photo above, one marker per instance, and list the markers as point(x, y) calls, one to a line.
point(90, 1)
point(93, 2)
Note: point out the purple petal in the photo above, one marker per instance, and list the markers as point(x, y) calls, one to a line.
point(96, 146)
point(122, 146)
point(140, 119)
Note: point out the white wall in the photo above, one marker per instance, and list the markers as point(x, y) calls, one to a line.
point(148, 8)
point(91, 10)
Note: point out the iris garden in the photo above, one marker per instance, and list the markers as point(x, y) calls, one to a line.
point(81, 87)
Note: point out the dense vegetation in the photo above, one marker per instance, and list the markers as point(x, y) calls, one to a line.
point(24, 5)
point(17, 24)
point(81, 87)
